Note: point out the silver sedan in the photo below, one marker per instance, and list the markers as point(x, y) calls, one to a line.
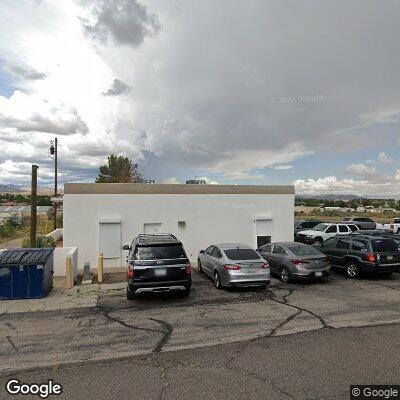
point(233, 264)
point(291, 260)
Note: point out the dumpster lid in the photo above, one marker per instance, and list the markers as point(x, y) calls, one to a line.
point(25, 256)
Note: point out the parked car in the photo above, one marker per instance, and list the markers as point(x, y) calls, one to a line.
point(380, 232)
point(353, 228)
point(358, 254)
point(302, 225)
point(233, 264)
point(393, 226)
point(361, 222)
point(290, 260)
point(322, 232)
point(157, 263)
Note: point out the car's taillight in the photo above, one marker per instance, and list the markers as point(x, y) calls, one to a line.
point(265, 266)
point(188, 269)
point(296, 262)
point(130, 273)
point(231, 267)
point(371, 257)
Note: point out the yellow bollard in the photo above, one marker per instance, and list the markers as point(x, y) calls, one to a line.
point(100, 268)
point(68, 273)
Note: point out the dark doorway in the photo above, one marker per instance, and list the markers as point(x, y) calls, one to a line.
point(261, 240)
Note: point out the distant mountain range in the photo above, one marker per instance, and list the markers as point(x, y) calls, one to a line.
point(11, 188)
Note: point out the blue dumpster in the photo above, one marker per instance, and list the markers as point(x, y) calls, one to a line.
point(26, 273)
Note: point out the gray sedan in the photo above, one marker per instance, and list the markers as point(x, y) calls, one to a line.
point(290, 260)
point(233, 264)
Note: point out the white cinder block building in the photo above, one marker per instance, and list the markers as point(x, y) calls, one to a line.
point(100, 218)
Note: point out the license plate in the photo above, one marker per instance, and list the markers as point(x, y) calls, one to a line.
point(160, 272)
point(389, 258)
point(318, 273)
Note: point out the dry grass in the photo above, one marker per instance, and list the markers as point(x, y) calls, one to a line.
point(337, 217)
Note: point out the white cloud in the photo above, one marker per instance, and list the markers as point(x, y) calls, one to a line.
point(241, 160)
point(31, 113)
point(384, 159)
point(331, 184)
point(364, 170)
point(283, 167)
point(171, 180)
point(202, 98)
point(208, 180)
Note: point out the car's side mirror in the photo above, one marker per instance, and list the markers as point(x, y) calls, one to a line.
point(126, 247)
point(201, 251)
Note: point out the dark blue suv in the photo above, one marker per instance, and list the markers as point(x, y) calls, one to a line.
point(157, 263)
point(358, 254)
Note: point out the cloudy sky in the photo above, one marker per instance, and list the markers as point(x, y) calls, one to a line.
point(247, 92)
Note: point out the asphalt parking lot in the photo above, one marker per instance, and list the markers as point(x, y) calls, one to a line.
point(117, 328)
point(312, 365)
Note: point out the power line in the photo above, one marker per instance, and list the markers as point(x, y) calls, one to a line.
point(60, 170)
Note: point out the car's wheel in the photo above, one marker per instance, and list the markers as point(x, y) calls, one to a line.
point(318, 241)
point(217, 281)
point(387, 274)
point(130, 295)
point(352, 270)
point(398, 230)
point(200, 269)
point(186, 292)
point(284, 275)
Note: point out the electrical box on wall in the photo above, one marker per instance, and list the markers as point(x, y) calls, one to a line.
point(181, 224)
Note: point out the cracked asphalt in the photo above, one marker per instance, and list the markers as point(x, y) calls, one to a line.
point(245, 343)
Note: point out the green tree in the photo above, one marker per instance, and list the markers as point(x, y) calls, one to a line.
point(119, 169)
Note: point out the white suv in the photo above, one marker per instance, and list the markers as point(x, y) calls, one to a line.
point(323, 231)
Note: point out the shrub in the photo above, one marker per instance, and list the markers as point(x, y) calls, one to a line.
point(41, 241)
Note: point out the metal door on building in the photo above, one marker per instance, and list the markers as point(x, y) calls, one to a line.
point(110, 242)
point(263, 231)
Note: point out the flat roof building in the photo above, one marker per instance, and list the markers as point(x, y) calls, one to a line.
point(100, 218)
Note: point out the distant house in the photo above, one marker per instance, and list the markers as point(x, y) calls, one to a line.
point(304, 209)
point(337, 209)
point(387, 209)
point(22, 210)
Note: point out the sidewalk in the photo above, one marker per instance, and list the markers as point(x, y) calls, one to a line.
point(60, 298)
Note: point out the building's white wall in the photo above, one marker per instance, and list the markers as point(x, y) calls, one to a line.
point(210, 218)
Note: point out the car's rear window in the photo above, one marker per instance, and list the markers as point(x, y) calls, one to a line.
point(241, 254)
point(160, 252)
point(303, 250)
point(382, 245)
point(353, 228)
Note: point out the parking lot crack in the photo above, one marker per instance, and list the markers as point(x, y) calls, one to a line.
point(387, 286)
point(126, 325)
point(284, 322)
point(262, 379)
point(285, 302)
point(168, 329)
point(12, 344)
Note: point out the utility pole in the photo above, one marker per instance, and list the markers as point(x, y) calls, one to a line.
point(33, 206)
point(54, 151)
